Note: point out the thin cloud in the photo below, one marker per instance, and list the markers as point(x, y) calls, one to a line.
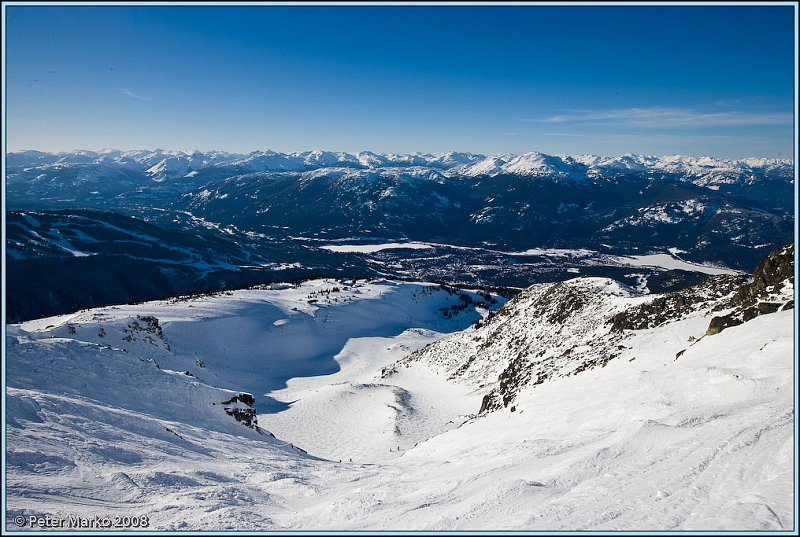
point(667, 117)
point(573, 134)
point(134, 95)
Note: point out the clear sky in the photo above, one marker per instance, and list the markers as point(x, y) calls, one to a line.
point(715, 80)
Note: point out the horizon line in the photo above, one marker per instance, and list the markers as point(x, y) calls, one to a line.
point(387, 153)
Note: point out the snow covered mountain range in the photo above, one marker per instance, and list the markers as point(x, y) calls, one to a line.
point(700, 205)
point(368, 405)
point(268, 210)
point(127, 179)
point(162, 164)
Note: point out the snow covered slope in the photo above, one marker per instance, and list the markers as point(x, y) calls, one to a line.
point(702, 442)
point(563, 329)
point(115, 403)
point(143, 410)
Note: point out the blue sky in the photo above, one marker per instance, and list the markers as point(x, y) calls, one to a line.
point(713, 80)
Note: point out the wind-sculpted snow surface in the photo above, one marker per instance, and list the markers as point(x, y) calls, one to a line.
point(130, 410)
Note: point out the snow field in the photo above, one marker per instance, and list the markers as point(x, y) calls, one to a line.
point(650, 441)
point(355, 415)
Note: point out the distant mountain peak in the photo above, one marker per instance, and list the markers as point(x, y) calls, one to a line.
point(466, 163)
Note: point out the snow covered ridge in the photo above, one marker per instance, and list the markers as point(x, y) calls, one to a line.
point(132, 410)
point(162, 164)
point(562, 329)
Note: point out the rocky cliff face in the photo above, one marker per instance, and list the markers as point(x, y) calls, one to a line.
point(771, 289)
point(563, 329)
point(672, 306)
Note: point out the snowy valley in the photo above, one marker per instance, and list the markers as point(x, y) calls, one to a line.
point(365, 404)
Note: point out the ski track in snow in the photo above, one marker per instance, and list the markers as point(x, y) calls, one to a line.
point(648, 442)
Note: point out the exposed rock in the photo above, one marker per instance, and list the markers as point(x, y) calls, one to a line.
point(772, 284)
point(244, 398)
point(145, 328)
point(768, 277)
point(548, 330)
point(151, 324)
point(241, 408)
point(677, 304)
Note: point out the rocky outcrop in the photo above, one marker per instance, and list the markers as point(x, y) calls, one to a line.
point(770, 274)
point(145, 328)
point(678, 304)
point(547, 331)
point(241, 408)
point(771, 289)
